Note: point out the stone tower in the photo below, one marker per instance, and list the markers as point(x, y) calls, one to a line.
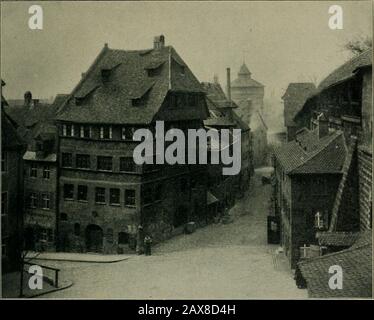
point(247, 93)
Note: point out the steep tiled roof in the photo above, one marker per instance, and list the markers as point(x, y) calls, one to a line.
point(356, 263)
point(309, 154)
point(215, 93)
point(216, 100)
point(9, 135)
point(111, 101)
point(32, 120)
point(347, 69)
point(337, 238)
point(296, 94)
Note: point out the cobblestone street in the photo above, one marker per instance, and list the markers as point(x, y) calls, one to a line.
point(231, 261)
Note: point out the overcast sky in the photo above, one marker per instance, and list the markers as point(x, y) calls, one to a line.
point(280, 42)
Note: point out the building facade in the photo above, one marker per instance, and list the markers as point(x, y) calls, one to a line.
point(293, 100)
point(107, 202)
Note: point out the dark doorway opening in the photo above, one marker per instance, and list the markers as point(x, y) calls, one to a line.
point(29, 239)
point(94, 238)
point(181, 216)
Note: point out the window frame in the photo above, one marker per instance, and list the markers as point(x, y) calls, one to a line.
point(98, 194)
point(82, 158)
point(128, 197)
point(72, 191)
point(118, 203)
point(79, 193)
point(33, 200)
point(104, 158)
point(33, 169)
point(122, 164)
point(70, 155)
point(46, 172)
point(46, 199)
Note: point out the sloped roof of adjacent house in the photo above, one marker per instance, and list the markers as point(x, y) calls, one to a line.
point(296, 94)
point(346, 70)
point(356, 263)
point(244, 79)
point(35, 120)
point(337, 238)
point(9, 135)
point(216, 95)
point(310, 154)
point(110, 101)
point(216, 101)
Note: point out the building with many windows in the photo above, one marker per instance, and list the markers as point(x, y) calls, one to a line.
point(105, 198)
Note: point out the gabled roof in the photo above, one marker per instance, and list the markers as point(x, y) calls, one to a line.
point(111, 101)
point(346, 70)
point(295, 96)
point(244, 79)
point(356, 263)
point(309, 154)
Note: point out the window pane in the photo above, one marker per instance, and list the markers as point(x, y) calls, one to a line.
point(83, 161)
point(69, 191)
point(67, 160)
point(100, 195)
point(127, 164)
point(104, 163)
point(82, 193)
point(130, 197)
point(114, 196)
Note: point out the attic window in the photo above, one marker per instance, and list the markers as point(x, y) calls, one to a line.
point(105, 74)
point(79, 101)
point(154, 72)
point(140, 101)
point(183, 70)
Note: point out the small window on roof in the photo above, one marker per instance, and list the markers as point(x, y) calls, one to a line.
point(154, 71)
point(105, 74)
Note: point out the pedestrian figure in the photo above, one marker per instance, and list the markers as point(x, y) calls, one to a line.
point(140, 241)
point(147, 245)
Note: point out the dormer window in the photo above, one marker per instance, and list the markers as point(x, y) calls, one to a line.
point(141, 100)
point(105, 74)
point(183, 70)
point(79, 101)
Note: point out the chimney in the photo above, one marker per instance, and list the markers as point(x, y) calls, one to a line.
point(159, 42)
point(228, 85)
point(27, 99)
point(323, 126)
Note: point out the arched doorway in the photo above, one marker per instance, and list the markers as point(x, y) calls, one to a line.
point(94, 238)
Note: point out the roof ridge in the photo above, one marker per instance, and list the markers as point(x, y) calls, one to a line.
point(318, 151)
